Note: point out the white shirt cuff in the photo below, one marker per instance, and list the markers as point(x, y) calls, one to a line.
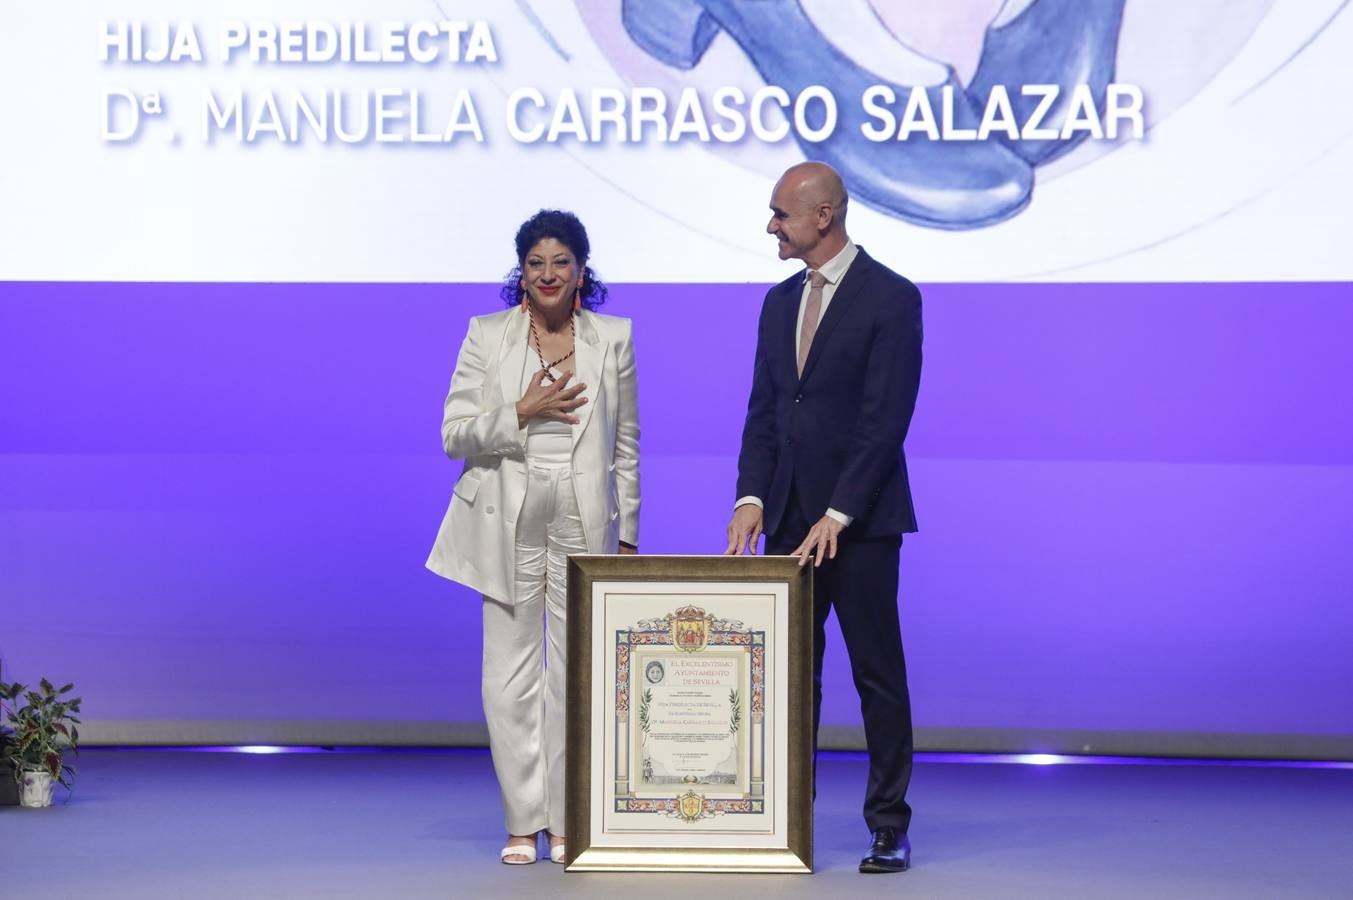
point(841, 517)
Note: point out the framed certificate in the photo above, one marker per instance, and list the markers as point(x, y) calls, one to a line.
point(689, 736)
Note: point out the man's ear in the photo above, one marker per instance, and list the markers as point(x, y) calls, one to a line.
point(825, 215)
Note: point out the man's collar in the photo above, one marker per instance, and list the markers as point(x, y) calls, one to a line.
point(835, 268)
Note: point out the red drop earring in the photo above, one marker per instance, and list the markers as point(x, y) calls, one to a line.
point(578, 297)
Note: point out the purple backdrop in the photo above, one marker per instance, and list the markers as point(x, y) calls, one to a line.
point(1135, 500)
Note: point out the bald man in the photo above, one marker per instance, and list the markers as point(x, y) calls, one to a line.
point(822, 472)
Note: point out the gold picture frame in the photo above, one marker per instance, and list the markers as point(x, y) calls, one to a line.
point(690, 720)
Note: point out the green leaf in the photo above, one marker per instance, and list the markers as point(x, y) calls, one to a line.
point(66, 688)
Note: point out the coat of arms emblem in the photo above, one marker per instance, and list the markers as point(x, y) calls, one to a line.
point(690, 629)
point(690, 806)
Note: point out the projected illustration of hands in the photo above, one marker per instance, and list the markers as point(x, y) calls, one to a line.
point(851, 45)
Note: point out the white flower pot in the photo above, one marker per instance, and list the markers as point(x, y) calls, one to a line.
point(35, 788)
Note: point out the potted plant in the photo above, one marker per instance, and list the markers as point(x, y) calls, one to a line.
point(9, 785)
point(42, 727)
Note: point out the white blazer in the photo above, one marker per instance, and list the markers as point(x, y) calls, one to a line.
point(477, 541)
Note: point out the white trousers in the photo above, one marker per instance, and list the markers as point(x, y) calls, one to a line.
point(523, 680)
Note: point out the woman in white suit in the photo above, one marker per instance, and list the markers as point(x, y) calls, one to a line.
point(543, 409)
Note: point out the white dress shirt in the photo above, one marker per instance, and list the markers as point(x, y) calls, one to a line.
point(833, 270)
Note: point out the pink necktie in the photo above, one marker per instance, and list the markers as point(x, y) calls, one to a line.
point(811, 313)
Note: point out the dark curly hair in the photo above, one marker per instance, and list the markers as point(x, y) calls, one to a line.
point(565, 228)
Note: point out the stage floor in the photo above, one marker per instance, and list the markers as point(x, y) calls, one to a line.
point(409, 824)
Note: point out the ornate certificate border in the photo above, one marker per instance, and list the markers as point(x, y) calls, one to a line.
point(689, 723)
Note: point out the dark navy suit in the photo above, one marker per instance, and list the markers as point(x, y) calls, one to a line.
point(833, 438)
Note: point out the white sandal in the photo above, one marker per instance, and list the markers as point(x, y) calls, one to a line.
point(527, 851)
point(558, 851)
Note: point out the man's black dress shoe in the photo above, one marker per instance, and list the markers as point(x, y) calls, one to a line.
point(890, 852)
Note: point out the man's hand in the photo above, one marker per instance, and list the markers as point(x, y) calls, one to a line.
point(821, 541)
point(744, 530)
